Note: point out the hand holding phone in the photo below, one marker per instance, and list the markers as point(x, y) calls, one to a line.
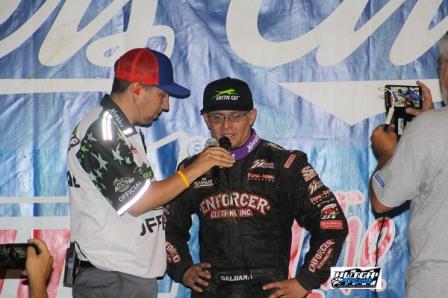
point(396, 99)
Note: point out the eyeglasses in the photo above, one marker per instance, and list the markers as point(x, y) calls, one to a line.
point(217, 118)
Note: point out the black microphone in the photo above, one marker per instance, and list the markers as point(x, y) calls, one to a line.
point(224, 143)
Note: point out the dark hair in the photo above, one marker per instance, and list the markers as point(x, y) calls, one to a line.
point(119, 86)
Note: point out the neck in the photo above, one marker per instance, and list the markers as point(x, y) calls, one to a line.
point(129, 110)
point(251, 143)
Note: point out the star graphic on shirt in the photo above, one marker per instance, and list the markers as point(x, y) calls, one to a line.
point(117, 155)
point(98, 173)
point(91, 138)
point(83, 148)
point(92, 177)
point(101, 161)
point(128, 160)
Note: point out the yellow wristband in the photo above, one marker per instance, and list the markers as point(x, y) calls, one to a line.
point(184, 178)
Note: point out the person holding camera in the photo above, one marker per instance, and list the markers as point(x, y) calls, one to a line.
point(415, 169)
point(116, 209)
point(246, 211)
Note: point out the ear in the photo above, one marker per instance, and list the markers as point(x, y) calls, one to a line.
point(252, 116)
point(135, 89)
point(206, 120)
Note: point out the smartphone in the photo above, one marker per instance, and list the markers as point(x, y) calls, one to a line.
point(13, 255)
point(400, 97)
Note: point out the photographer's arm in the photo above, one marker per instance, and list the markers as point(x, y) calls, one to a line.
point(384, 142)
point(376, 204)
point(383, 146)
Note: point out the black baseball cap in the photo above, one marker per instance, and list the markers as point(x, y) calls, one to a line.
point(227, 94)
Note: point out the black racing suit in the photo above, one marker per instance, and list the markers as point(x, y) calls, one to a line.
point(246, 214)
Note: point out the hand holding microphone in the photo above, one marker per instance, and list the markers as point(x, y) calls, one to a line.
point(224, 143)
point(212, 155)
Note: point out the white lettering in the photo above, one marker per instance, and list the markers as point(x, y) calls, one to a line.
point(416, 26)
point(236, 277)
point(252, 202)
point(244, 199)
point(130, 192)
point(64, 40)
point(15, 39)
point(220, 205)
point(336, 37)
point(225, 200)
point(251, 145)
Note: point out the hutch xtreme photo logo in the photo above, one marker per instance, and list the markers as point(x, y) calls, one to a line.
point(355, 278)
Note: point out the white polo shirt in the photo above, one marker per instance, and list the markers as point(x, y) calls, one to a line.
point(108, 171)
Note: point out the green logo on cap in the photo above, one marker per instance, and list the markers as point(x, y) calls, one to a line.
point(227, 92)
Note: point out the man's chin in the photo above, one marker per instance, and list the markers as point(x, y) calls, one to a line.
point(147, 123)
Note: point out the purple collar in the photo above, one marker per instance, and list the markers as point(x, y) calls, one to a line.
point(252, 143)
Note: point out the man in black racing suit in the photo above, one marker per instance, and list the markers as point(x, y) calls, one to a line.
point(246, 212)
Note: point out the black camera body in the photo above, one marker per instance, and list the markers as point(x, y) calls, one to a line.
point(13, 255)
point(71, 266)
point(398, 98)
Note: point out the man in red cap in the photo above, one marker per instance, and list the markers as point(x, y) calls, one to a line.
point(115, 202)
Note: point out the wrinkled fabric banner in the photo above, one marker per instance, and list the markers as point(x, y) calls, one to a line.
point(316, 69)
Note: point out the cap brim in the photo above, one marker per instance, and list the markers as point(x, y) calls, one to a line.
point(175, 90)
point(225, 108)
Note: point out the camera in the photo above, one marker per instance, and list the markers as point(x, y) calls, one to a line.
point(396, 99)
point(13, 255)
point(71, 266)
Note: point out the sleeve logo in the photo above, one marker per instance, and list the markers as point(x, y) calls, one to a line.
point(123, 184)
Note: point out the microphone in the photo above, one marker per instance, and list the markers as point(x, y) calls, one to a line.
point(212, 142)
point(224, 143)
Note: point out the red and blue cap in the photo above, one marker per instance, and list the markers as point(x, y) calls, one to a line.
point(150, 67)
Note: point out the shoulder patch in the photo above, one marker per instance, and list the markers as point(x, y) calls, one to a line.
point(289, 161)
point(308, 173)
point(274, 146)
point(123, 184)
point(262, 163)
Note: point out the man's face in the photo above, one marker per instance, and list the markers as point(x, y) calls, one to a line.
point(151, 102)
point(236, 125)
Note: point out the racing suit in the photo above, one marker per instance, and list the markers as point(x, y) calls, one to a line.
point(246, 213)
